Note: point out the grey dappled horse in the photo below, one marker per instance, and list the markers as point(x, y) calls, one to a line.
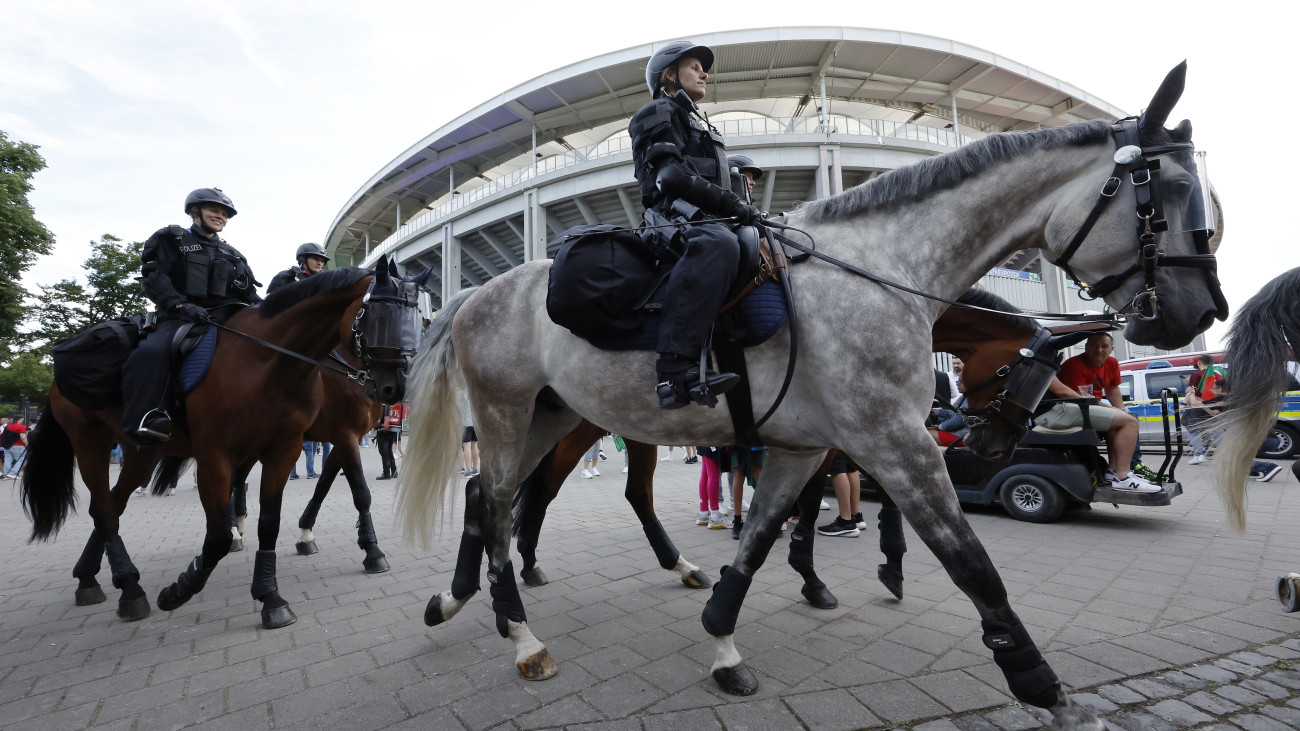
point(936, 226)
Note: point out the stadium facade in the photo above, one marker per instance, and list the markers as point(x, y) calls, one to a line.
point(819, 109)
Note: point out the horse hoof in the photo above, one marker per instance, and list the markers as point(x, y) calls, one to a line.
point(892, 578)
point(433, 611)
point(534, 577)
point(169, 599)
point(90, 595)
point(306, 548)
point(236, 545)
point(133, 609)
point(538, 666)
point(697, 580)
point(820, 597)
point(277, 617)
point(737, 680)
point(376, 565)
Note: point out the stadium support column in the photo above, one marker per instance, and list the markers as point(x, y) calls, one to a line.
point(830, 175)
point(534, 226)
point(450, 264)
point(1058, 299)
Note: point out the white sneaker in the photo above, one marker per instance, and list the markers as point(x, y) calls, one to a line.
point(1133, 483)
point(703, 519)
point(1196, 459)
point(744, 506)
point(826, 505)
point(586, 474)
point(716, 521)
point(595, 472)
point(1269, 473)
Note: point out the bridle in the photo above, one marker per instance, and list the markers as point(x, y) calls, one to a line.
point(387, 320)
point(1027, 378)
point(1141, 167)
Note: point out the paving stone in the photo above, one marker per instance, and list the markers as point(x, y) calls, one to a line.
point(971, 722)
point(1240, 695)
point(698, 719)
point(1239, 668)
point(1211, 704)
point(1152, 688)
point(1140, 721)
point(941, 725)
point(1286, 678)
point(1252, 658)
point(1292, 645)
point(1179, 712)
point(1289, 716)
point(1279, 652)
point(1093, 702)
point(1120, 694)
point(1212, 673)
point(757, 715)
point(831, 710)
point(898, 701)
point(1182, 680)
point(1256, 722)
point(959, 691)
point(1263, 687)
point(1013, 718)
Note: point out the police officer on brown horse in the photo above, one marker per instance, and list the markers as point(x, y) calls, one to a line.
point(189, 274)
point(311, 259)
point(681, 165)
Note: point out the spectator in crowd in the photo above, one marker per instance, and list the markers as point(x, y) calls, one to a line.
point(386, 436)
point(14, 442)
point(848, 494)
point(710, 484)
point(590, 459)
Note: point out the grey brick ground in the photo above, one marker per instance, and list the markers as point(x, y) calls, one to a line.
point(1158, 618)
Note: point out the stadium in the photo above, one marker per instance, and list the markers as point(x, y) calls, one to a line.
point(819, 109)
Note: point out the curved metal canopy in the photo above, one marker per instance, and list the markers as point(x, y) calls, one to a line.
point(769, 71)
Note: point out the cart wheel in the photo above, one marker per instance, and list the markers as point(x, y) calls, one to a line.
point(1032, 498)
point(1288, 592)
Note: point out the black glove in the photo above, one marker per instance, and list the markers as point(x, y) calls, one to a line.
point(191, 312)
point(746, 214)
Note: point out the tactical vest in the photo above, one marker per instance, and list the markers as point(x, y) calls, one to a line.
point(212, 271)
point(702, 149)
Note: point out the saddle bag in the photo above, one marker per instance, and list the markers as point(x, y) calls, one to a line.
point(88, 366)
point(599, 279)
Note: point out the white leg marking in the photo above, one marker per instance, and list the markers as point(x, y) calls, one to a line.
point(450, 605)
point(239, 523)
point(727, 656)
point(306, 536)
point(234, 533)
point(685, 567)
point(526, 645)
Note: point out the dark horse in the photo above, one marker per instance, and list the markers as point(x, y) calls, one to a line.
point(989, 344)
point(226, 432)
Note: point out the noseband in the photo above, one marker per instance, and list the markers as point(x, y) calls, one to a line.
point(1022, 385)
point(386, 320)
point(1142, 169)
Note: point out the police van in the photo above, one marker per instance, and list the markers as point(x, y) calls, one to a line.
point(1142, 380)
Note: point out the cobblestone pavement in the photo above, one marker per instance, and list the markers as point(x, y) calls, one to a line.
point(1159, 618)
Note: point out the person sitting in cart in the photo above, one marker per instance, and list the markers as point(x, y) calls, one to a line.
point(1095, 374)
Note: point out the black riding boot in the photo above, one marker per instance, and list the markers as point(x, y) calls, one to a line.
point(680, 383)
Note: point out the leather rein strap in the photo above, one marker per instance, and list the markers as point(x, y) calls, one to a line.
point(352, 373)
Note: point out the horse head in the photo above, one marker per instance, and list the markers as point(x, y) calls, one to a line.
point(1141, 239)
point(386, 331)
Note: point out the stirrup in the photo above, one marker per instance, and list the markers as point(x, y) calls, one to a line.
point(155, 427)
point(674, 393)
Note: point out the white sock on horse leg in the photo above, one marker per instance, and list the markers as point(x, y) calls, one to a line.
point(726, 656)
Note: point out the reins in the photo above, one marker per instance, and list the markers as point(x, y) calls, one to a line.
point(352, 373)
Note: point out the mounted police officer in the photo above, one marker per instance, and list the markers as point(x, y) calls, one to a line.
point(681, 165)
point(188, 273)
point(311, 259)
point(744, 175)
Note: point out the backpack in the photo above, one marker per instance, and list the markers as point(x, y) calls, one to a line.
point(600, 277)
point(88, 365)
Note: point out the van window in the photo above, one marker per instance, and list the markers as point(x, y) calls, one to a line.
point(1166, 378)
point(1126, 388)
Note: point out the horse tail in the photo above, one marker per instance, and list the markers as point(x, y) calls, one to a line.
point(48, 491)
point(436, 427)
point(167, 472)
point(1257, 354)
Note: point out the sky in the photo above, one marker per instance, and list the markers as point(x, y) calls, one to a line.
point(291, 107)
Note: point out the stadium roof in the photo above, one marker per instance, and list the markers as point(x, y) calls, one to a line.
point(771, 71)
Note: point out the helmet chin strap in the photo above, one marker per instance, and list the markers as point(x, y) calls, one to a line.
point(203, 227)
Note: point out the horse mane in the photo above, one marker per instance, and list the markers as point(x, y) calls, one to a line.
point(911, 183)
point(983, 298)
point(289, 295)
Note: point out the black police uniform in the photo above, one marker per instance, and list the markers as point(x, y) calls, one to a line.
point(681, 167)
point(288, 276)
point(180, 266)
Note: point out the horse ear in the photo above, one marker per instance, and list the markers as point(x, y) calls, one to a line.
point(1183, 132)
point(421, 278)
point(381, 269)
point(1171, 89)
point(392, 269)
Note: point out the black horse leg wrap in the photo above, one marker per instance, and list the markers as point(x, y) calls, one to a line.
point(505, 597)
point(801, 550)
point(309, 513)
point(264, 574)
point(663, 546)
point(1029, 677)
point(366, 531)
point(892, 542)
point(120, 562)
point(193, 578)
point(239, 499)
point(89, 563)
point(464, 582)
point(723, 607)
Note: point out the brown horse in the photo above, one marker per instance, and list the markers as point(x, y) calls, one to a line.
point(226, 431)
point(988, 343)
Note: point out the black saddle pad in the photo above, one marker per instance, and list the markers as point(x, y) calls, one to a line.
point(759, 316)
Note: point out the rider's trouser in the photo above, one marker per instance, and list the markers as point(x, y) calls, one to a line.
point(696, 290)
point(147, 374)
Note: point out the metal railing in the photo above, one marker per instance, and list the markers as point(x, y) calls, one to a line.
point(619, 144)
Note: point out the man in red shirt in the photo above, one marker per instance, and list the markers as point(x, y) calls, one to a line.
point(1095, 374)
point(14, 442)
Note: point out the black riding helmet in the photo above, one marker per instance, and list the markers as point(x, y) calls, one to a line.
point(669, 55)
point(742, 163)
point(310, 249)
point(210, 195)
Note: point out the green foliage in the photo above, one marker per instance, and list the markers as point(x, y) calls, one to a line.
point(67, 307)
point(22, 237)
point(26, 375)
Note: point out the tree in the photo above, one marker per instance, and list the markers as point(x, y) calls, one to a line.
point(22, 237)
point(67, 307)
point(26, 375)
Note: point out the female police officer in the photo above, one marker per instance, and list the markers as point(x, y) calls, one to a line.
point(186, 272)
point(681, 165)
